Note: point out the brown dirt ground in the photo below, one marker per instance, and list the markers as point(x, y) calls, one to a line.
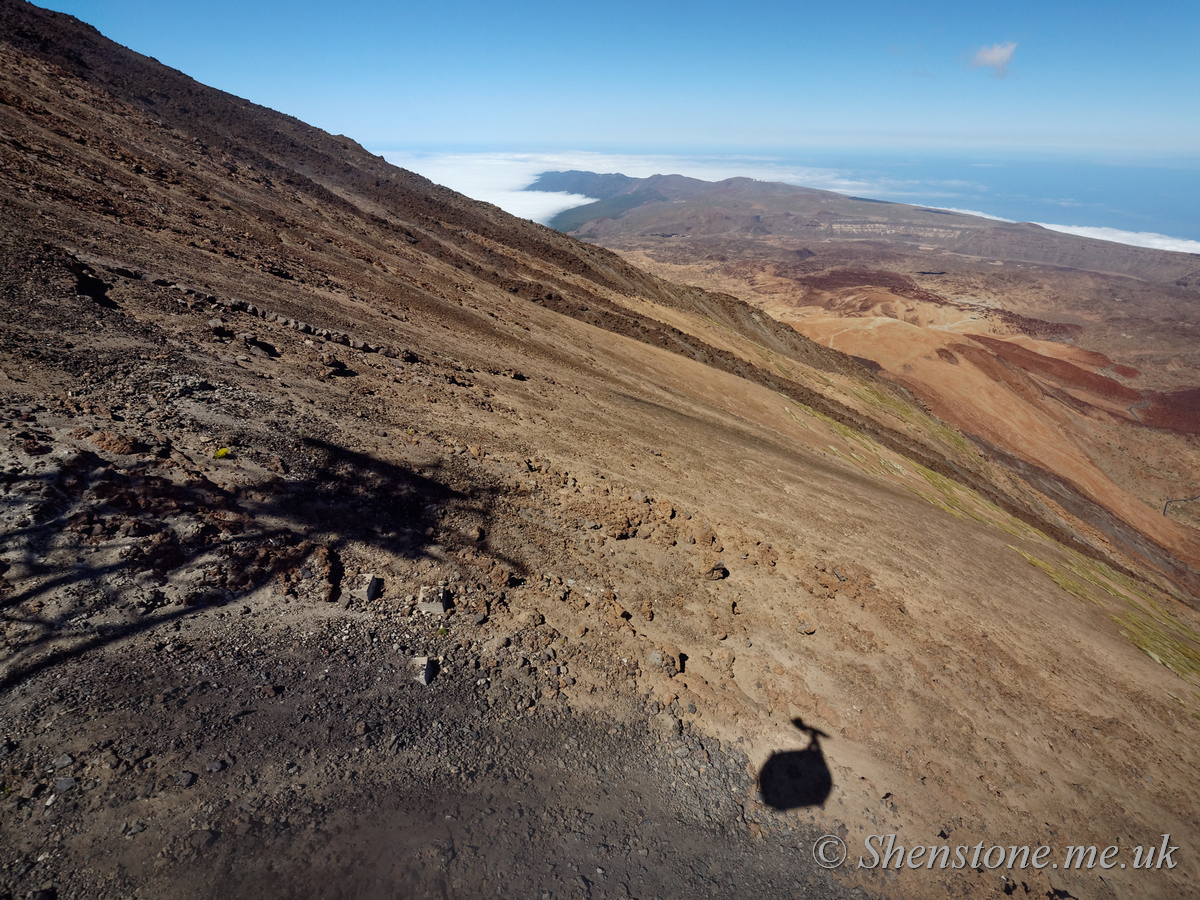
point(416, 386)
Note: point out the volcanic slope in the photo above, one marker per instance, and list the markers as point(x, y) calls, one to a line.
point(626, 534)
point(1074, 356)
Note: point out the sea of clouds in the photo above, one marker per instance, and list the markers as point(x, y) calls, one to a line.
point(1136, 238)
point(1116, 235)
point(501, 178)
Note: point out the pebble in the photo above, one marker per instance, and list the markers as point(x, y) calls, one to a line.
point(666, 724)
point(718, 571)
point(185, 779)
point(424, 669)
point(435, 606)
point(200, 840)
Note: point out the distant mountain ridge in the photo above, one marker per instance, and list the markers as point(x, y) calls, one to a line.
point(589, 184)
point(627, 207)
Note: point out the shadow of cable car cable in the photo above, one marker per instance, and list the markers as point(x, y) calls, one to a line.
point(795, 778)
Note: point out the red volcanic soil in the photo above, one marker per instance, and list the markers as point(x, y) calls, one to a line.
point(1126, 371)
point(1061, 371)
point(1177, 410)
point(898, 284)
point(1090, 357)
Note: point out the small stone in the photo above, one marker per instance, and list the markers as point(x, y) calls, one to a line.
point(63, 761)
point(368, 590)
point(62, 785)
point(717, 572)
point(424, 667)
point(201, 840)
point(480, 618)
point(185, 779)
point(437, 605)
point(120, 444)
point(215, 766)
point(666, 724)
point(806, 628)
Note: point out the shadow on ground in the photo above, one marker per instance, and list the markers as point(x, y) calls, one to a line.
point(794, 778)
point(104, 551)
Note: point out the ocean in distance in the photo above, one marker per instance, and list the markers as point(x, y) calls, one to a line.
point(1144, 201)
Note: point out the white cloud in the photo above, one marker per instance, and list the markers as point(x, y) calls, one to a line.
point(493, 178)
point(1134, 238)
point(996, 57)
point(499, 177)
point(540, 206)
point(974, 212)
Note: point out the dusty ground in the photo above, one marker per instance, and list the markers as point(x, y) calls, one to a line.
point(666, 530)
point(1055, 393)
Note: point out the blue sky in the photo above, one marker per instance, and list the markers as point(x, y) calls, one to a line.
point(479, 96)
point(675, 76)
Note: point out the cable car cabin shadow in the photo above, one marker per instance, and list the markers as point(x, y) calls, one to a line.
point(795, 778)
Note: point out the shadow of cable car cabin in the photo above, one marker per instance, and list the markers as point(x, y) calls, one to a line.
point(790, 779)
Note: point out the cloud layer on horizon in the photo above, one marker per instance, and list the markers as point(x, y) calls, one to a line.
point(500, 178)
point(973, 212)
point(1133, 238)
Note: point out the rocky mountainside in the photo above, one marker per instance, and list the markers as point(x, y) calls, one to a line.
point(1022, 338)
point(360, 539)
